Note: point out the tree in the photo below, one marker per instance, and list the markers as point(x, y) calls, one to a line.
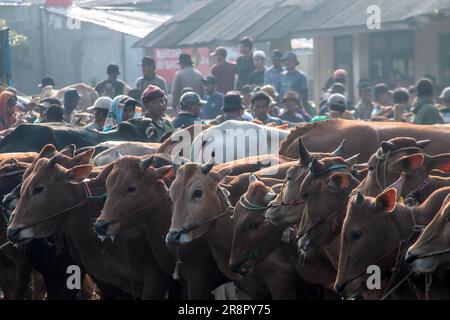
point(18, 43)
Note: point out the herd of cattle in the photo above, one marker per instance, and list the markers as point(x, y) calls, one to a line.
point(344, 199)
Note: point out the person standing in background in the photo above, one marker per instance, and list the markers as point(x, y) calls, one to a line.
point(224, 71)
point(423, 109)
point(257, 76)
point(244, 64)
point(214, 99)
point(292, 79)
point(71, 99)
point(365, 106)
point(187, 76)
point(149, 76)
point(112, 87)
point(272, 75)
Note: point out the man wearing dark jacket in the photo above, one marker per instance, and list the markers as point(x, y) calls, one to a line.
point(190, 105)
point(423, 109)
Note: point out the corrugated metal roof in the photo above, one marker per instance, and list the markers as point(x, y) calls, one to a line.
point(225, 21)
point(132, 22)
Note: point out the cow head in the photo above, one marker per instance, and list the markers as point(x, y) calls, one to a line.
point(285, 216)
point(44, 193)
point(254, 238)
point(370, 236)
point(401, 155)
point(196, 196)
point(435, 238)
point(135, 190)
point(325, 191)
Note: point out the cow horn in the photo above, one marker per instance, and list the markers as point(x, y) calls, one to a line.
point(304, 154)
point(423, 143)
point(13, 161)
point(147, 163)
point(117, 154)
point(252, 178)
point(206, 168)
point(359, 198)
point(52, 162)
point(68, 151)
point(270, 196)
point(387, 146)
point(340, 150)
point(352, 160)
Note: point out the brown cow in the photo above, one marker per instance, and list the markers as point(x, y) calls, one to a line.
point(432, 249)
point(422, 192)
point(201, 209)
point(73, 206)
point(138, 196)
point(376, 231)
point(171, 143)
point(363, 137)
point(401, 155)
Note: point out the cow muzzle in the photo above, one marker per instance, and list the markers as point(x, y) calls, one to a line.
point(177, 237)
point(19, 234)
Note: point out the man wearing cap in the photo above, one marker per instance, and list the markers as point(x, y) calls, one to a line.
point(187, 76)
point(112, 86)
point(256, 77)
point(71, 99)
point(214, 99)
point(365, 105)
point(190, 105)
point(292, 79)
point(224, 71)
point(272, 74)
point(47, 81)
point(244, 64)
point(155, 105)
point(42, 107)
point(100, 109)
point(337, 108)
point(232, 108)
point(294, 111)
point(149, 76)
point(445, 107)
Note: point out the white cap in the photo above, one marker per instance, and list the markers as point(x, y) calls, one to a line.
point(260, 54)
point(101, 103)
point(445, 95)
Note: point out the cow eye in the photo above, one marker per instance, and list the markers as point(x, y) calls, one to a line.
point(197, 194)
point(254, 225)
point(131, 189)
point(37, 190)
point(356, 235)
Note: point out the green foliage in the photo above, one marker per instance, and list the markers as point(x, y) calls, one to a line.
point(18, 43)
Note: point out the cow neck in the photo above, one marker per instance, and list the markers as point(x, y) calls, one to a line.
point(219, 239)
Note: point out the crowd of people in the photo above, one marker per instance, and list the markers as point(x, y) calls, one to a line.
point(246, 90)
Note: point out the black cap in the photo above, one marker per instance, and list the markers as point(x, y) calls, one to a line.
point(147, 61)
point(232, 101)
point(112, 68)
point(129, 100)
point(210, 79)
point(47, 81)
point(185, 59)
point(276, 54)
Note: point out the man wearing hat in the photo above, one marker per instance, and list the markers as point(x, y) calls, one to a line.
point(187, 76)
point(149, 76)
point(71, 99)
point(445, 107)
point(214, 99)
point(337, 107)
point(112, 87)
point(154, 100)
point(223, 70)
point(190, 105)
point(42, 107)
point(365, 106)
point(292, 79)
point(232, 108)
point(47, 81)
point(100, 110)
point(273, 74)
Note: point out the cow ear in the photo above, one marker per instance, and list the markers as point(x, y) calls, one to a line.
point(339, 181)
point(440, 162)
point(47, 151)
point(252, 178)
point(398, 186)
point(105, 172)
point(222, 173)
point(409, 164)
point(165, 172)
point(387, 200)
point(79, 173)
point(84, 157)
point(68, 151)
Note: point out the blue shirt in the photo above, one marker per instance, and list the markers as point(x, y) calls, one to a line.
point(271, 119)
point(184, 119)
point(213, 106)
point(293, 81)
point(272, 76)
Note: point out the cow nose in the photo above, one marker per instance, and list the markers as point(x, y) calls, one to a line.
point(100, 227)
point(410, 257)
point(173, 238)
point(339, 289)
point(13, 234)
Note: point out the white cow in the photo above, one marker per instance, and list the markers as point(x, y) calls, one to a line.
point(233, 140)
